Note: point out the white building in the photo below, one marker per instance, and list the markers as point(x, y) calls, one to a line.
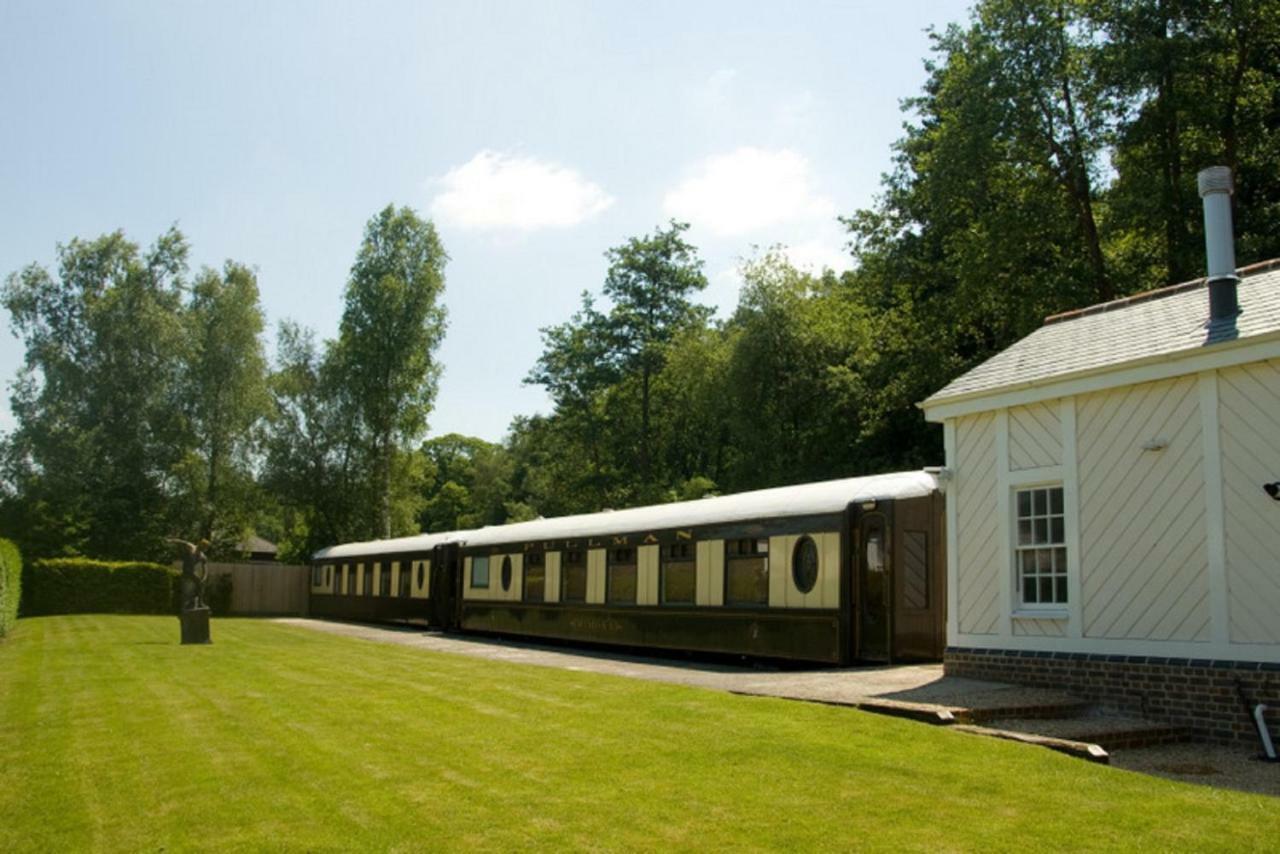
point(1113, 523)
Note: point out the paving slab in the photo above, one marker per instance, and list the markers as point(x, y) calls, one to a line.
point(915, 690)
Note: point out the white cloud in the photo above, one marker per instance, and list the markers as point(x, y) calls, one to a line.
point(818, 254)
point(748, 190)
point(494, 191)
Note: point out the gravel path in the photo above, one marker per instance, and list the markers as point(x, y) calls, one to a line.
point(1207, 764)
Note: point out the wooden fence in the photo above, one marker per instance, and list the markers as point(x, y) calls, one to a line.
point(266, 588)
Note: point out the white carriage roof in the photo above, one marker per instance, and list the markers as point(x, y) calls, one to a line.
point(807, 499)
point(415, 543)
point(1167, 323)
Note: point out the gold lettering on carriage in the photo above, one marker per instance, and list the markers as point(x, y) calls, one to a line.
point(595, 624)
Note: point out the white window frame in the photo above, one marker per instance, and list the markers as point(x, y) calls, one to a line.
point(1061, 571)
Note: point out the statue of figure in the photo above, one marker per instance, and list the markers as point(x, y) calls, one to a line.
point(194, 618)
point(194, 572)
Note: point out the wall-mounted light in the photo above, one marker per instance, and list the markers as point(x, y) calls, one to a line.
point(1272, 489)
point(1158, 444)
point(868, 505)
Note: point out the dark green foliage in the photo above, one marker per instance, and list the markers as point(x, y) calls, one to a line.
point(84, 586)
point(138, 405)
point(1049, 163)
point(342, 462)
point(217, 594)
point(97, 431)
point(10, 584)
point(393, 320)
point(222, 387)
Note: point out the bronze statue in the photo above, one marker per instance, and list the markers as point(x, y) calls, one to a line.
point(195, 570)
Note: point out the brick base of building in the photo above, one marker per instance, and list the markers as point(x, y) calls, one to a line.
point(1198, 694)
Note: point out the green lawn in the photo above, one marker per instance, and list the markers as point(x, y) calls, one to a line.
point(114, 737)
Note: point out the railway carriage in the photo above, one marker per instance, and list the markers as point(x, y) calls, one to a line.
point(834, 572)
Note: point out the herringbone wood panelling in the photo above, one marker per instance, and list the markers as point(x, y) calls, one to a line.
point(1035, 436)
point(1143, 566)
point(977, 525)
point(1031, 628)
point(1249, 415)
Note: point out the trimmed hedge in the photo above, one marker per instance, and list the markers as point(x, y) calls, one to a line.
point(84, 586)
point(10, 585)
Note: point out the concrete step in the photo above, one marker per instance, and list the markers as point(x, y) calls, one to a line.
point(1064, 708)
point(1078, 749)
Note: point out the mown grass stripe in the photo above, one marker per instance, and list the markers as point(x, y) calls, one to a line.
point(116, 738)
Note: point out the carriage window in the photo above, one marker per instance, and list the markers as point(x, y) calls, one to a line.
point(535, 577)
point(804, 564)
point(506, 573)
point(328, 574)
point(573, 576)
point(406, 581)
point(620, 583)
point(479, 571)
point(384, 578)
point(368, 580)
point(679, 571)
point(344, 576)
point(422, 565)
point(746, 572)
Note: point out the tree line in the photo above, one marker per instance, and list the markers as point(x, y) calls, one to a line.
point(145, 406)
point(1048, 163)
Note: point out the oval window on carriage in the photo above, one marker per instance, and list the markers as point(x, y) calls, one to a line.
point(804, 564)
point(506, 573)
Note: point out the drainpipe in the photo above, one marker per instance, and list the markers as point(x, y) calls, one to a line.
point(1258, 712)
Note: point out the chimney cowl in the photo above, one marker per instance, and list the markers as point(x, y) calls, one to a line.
point(1215, 179)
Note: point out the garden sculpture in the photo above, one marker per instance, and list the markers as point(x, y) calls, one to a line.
point(195, 614)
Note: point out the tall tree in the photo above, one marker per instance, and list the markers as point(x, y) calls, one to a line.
point(98, 425)
point(650, 283)
point(223, 390)
point(577, 370)
point(1193, 84)
point(392, 322)
point(314, 454)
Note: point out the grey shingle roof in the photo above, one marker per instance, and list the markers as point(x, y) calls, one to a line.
point(257, 545)
point(1161, 323)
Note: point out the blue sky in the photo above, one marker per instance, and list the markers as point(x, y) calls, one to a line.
point(535, 134)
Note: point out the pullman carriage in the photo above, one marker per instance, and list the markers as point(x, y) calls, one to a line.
point(834, 572)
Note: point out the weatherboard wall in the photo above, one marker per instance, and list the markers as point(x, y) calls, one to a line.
point(1173, 546)
point(1249, 419)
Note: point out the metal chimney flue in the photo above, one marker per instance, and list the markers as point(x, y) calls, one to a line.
point(1219, 242)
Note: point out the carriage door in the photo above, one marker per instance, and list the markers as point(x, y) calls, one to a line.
point(875, 592)
point(444, 587)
